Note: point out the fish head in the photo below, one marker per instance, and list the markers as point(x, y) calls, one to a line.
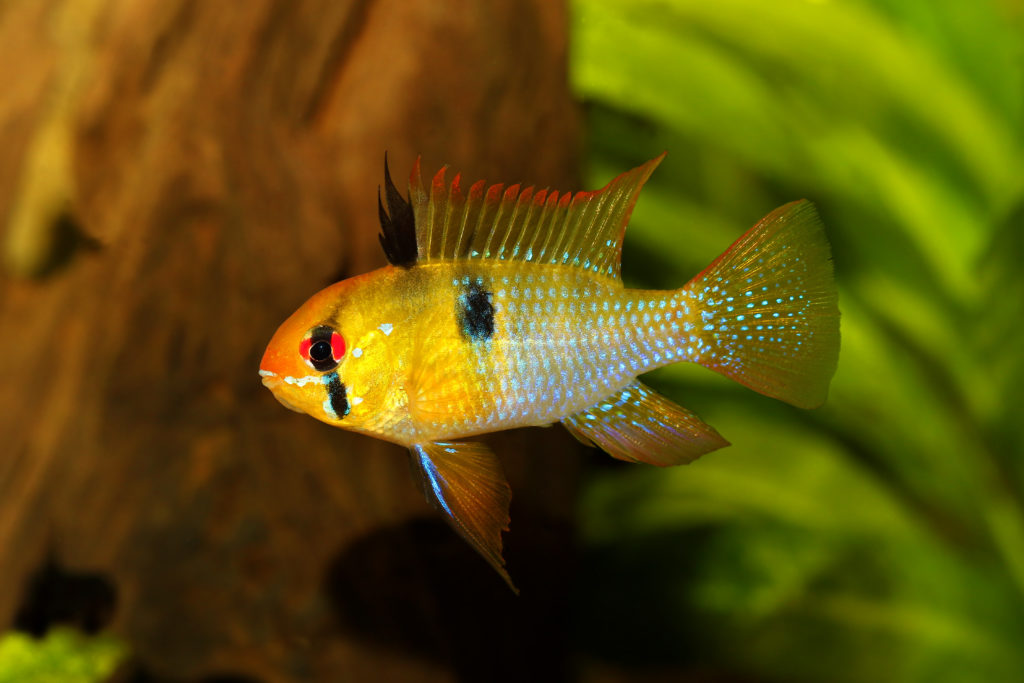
point(333, 358)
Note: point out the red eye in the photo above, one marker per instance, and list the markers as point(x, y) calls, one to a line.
point(323, 348)
point(337, 346)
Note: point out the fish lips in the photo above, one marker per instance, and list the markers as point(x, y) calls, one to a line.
point(273, 382)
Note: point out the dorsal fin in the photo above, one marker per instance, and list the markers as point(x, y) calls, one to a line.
point(397, 230)
point(509, 223)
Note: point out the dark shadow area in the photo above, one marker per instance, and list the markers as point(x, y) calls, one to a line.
point(54, 596)
point(419, 588)
point(623, 614)
point(67, 240)
point(136, 672)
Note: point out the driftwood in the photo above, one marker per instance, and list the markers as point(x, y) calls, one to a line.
point(175, 178)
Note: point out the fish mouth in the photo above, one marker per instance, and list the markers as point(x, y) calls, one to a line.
point(272, 381)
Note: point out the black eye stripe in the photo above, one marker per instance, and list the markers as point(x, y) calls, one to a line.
point(321, 333)
point(320, 353)
point(338, 396)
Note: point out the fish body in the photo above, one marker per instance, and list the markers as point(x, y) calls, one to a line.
point(464, 349)
point(503, 308)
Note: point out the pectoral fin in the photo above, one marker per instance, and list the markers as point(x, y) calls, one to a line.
point(641, 425)
point(465, 482)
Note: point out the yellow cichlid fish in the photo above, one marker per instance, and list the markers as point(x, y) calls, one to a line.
point(503, 307)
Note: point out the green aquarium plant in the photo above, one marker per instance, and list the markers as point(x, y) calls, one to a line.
point(64, 655)
point(882, 536)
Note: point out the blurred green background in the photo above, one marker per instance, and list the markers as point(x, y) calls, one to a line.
point(880, 537)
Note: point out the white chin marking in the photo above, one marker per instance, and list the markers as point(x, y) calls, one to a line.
point(303, 381)
point(267, 373)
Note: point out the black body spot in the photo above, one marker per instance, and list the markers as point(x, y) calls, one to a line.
point(476, 312)
point(338, 396)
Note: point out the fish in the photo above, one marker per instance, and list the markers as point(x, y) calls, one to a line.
point(503, 307)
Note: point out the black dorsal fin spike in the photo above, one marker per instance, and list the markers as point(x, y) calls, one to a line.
point(397, 224)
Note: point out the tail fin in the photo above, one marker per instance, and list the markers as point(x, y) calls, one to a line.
point(768, 316)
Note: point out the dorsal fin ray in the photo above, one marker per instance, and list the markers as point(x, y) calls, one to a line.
point(397, 224)
point(584, 229)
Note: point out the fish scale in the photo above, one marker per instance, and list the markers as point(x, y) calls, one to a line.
point(598, 337)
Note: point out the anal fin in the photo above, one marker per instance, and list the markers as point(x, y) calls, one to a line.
point(465, 482)
point(639, 425)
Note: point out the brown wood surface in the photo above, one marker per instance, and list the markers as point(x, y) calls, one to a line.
point(177, 176)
